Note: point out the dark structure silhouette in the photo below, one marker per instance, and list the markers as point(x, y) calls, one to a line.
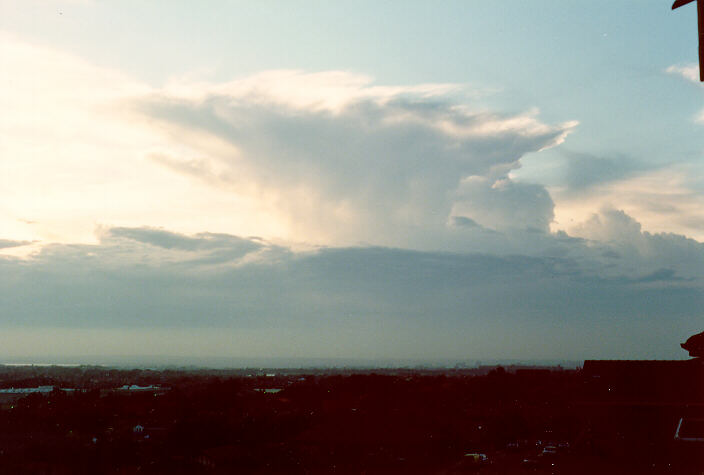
point(695, 345)
point(610, 418)
point(700, 20)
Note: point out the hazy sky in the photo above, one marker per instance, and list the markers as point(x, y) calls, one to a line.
point(354, 179)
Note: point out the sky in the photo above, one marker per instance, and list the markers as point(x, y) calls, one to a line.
point(378, 180)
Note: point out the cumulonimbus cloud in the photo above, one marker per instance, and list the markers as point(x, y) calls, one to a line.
point(348, 160)
point(327, 158)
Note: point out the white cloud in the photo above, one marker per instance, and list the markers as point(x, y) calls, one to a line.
point(504, 204)
point(668, 199)
point(326, 91)
point(637, 254)
point(341, 160)
point(700, 117)
point(690, 72)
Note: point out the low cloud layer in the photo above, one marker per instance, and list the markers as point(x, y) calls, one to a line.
point(636, 295)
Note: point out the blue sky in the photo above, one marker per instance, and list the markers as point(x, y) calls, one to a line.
point(506, 179)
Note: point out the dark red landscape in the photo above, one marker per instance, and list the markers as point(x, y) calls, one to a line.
point(607, 417)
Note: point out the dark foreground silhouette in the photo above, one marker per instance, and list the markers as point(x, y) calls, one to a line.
point(694, 345)
point(700, 21)
point(609, 417)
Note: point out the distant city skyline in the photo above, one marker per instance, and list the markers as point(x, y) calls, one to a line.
point(354, 180)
